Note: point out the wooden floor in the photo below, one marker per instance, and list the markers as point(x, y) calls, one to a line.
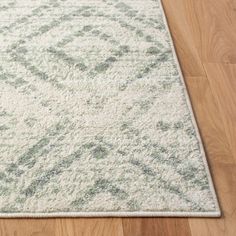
point(204, 33)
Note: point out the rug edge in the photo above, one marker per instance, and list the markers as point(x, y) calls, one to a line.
point(215, 214)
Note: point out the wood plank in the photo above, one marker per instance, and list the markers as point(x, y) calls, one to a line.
point(89, 227)
point(223, 83)
point(156, 226)
point(62, 227)
point(27, 227)
point(217, 24)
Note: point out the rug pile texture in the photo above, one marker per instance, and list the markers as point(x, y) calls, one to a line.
point(95, 119)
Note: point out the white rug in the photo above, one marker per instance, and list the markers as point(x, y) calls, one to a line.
point(95, 119)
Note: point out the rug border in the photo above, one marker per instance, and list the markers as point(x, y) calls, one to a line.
point(216, 213)
point(110, 214)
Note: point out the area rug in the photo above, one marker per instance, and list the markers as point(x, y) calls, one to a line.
point(95, 119)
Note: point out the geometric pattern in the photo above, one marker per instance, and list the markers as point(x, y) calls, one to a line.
point(94, 115)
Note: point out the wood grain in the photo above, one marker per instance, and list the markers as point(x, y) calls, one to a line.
point(222, 78)
point(204, 33)
point(217, 30)
point(89, 227)
point(27, 227)
point(156, 226)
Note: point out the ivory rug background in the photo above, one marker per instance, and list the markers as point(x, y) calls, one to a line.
point(94, 115)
